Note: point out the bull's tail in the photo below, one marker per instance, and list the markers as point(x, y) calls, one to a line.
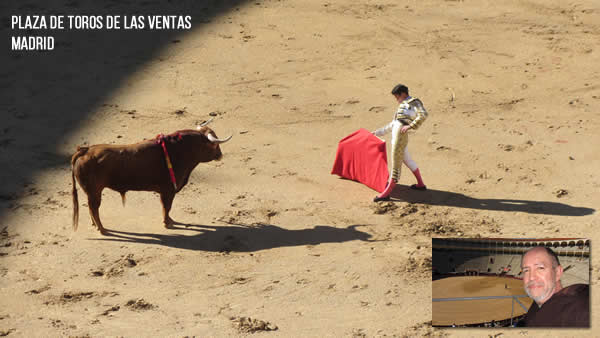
point(80, 152)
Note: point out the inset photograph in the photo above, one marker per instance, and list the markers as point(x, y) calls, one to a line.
point(502, 282)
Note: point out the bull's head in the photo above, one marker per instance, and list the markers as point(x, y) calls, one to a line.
point(214, 140)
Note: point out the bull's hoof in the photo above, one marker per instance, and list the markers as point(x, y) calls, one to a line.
point(169, 224)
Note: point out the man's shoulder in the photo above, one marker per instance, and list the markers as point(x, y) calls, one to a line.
point(577, 289)
point(576, 294)
point(575, 304)
point(574, 291)
point(568, 307)
point(413, 102)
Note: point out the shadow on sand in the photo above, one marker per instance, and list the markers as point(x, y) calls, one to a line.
point(453, 199)
point(241, 238)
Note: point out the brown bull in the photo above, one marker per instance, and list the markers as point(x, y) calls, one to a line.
point(142, 167)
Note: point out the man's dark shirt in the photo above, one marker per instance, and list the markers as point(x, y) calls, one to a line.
point(569, 307)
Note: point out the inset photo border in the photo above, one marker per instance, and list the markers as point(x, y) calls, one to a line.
point(510, 282)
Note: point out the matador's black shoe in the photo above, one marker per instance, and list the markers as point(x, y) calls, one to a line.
point(385, 194)
point(379, 199)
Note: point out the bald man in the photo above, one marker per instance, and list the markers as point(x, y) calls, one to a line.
point(553, 306)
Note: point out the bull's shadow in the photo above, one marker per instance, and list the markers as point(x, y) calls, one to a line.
point(453, 199)
point(241, 238)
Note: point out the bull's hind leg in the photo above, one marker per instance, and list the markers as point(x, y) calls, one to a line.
point(167, 200)
point(94, 201)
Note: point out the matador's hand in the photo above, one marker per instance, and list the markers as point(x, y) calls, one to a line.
point(404, 129)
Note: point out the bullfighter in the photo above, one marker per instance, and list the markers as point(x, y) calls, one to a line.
point(409, 115)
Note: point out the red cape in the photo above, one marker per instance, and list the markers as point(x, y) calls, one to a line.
point(361, 156)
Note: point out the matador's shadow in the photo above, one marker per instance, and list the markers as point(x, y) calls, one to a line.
point(241, 238)
point(453, 199)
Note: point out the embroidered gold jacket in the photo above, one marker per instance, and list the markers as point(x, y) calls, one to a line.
point(410, 112)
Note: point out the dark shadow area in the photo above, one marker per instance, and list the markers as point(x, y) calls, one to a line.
point(241, 238)
point(46, 95)
point(453, 199)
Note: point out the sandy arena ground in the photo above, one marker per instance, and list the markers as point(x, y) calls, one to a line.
point(510, 150)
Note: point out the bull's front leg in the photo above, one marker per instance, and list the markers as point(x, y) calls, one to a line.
point(167, 200)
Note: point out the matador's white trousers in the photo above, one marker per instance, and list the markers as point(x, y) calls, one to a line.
point(399, 152)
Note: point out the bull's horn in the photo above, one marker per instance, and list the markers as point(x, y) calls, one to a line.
point(216, 140)
point(204, 123)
